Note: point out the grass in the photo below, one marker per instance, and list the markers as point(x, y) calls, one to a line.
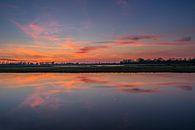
point(97, 69)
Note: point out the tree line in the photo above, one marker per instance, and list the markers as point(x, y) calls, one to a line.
point(124, 61)
point(159, 61)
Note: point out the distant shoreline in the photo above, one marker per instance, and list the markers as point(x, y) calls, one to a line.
point(131, 68)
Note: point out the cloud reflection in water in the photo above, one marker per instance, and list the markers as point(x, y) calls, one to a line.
point(46, 88)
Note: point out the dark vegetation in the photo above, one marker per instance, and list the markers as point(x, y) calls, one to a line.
point(158, 61)
point(139, 65)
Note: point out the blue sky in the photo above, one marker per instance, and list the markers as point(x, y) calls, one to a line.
point(83, 24)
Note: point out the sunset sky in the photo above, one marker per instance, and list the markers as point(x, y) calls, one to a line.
point(96, 30)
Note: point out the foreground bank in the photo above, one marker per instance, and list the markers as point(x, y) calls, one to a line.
point(98, 68)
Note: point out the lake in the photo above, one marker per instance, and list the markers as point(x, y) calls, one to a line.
point(97, 101)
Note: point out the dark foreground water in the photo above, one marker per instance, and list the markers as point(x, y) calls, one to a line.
point(106, 101)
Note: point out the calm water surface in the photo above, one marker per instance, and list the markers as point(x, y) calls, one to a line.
point(110, 101)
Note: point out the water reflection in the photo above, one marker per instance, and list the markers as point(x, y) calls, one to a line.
point(66, 94)
point(47, 86)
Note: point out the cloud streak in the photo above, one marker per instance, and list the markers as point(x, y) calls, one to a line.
point(139, 41)
point(138, 38)
point(140, 90)
point(88, 49)
point(129, 40)
point(185, 39)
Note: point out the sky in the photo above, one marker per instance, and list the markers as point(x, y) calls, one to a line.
point(96, 30)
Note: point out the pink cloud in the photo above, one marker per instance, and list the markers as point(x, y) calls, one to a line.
point(33, 30)
point(38, 32)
